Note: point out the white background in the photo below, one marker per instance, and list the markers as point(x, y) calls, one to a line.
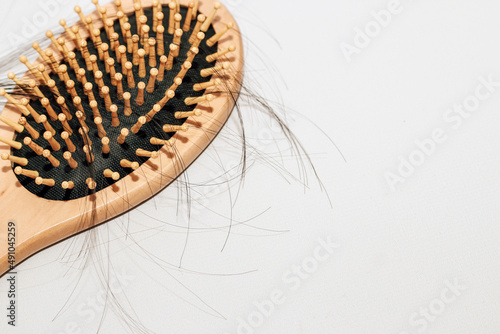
point(398, 248)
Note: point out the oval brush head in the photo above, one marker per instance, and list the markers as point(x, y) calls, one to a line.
point(112, 112)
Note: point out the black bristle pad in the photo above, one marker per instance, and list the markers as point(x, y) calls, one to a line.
point(134, 141)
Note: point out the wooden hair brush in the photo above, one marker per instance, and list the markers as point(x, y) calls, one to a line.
point(111, 113)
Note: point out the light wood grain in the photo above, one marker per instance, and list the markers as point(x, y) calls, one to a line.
point(41, 223)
